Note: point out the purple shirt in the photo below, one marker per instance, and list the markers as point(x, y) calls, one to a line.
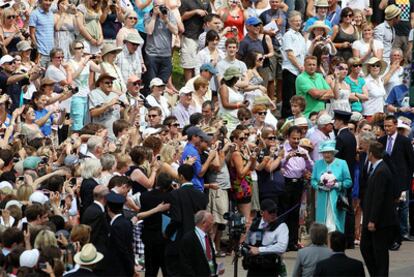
point(295, 167)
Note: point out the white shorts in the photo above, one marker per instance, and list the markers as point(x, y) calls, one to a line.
point(188, 53)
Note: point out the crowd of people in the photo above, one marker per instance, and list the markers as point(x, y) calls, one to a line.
point(295, 115)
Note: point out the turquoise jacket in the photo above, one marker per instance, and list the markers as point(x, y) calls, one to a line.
point(339, 169)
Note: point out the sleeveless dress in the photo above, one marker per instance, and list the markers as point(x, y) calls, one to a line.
point(251, 95)
point(230, 115)
point(342, 103)
point(91, 19)
point(65, 36)
point(343, 37)
point(236, 21)
point(241, 188)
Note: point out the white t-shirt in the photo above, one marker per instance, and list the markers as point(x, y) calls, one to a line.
point(362, 46)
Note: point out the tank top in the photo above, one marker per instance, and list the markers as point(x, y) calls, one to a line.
point(343, 37)
point(236, 21)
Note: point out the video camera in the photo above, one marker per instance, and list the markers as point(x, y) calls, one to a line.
point(236, 223)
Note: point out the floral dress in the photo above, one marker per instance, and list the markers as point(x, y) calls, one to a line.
point(241, 188)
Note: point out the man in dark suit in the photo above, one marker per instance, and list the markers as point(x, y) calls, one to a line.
point(400, 151)
point(87, 259)
point(379, 214)
point(152, 234)
point(346, 146)
point(95, 217)
point(339, 264)
point(365, 139)
point(185, 202)
point(197, 256)
point(120, 252)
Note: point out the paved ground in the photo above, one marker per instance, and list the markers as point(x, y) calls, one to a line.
point(401, 262)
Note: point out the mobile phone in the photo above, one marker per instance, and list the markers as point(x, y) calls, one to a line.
point(158, 158)
point(42, 265)
point(25, 225)
point(225, 122)
point(20, 178)
point(72, 181)
point(93, 57)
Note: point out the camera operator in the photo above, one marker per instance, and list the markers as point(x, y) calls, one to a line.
point(266, 240)
point(160, 25)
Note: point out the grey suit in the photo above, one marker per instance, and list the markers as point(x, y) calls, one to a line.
point(307, 259)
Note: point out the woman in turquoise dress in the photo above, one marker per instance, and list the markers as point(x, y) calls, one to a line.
point(330, 177)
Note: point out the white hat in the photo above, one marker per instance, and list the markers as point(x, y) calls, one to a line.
point(356, 116)
point(88, 255)
point(38, 197)
point(6, 59)
point(13, 203)
point(300, 121)
point(29, 258)
point(156, 82)
point(5, 187)
point(403, 124)
point(324, 119)
point(185, 90)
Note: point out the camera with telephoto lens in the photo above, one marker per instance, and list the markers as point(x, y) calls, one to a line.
point(236, 224)
point(244, 249)
point(74, 90)
point(163, 9)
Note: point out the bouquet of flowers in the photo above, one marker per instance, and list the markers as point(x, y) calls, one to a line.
point(327, 181)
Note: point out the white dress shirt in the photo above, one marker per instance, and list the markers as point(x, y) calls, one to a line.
point(274, 242)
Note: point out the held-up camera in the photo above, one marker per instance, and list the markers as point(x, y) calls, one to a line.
point(163, 9)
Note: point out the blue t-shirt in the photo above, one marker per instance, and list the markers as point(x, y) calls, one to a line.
point(191, 151)
point(356, 88)
point(399, 98)
point(47, 127)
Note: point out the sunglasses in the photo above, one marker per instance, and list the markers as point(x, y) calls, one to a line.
point(152, 115)
point(257, 25)
point(108, 83)
point(79, 48)
point(176, 124)
point(349, 15)
point(11, 17)
point(261, 113)
point(242, 138)
point(10, 63)
point(271, 138)
point(59, 57)
point(260, 59)
point(357, 65)
point(137, 83)
point(376, 65)
point(133, 18)
point(342, 68)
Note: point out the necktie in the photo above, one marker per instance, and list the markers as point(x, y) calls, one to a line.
point(370, 169)
point(389, 145)
point(209, 254)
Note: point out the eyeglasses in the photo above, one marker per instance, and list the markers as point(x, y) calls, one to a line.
point(152, 115)
point(271, 138)
point(133, 18)
point(376, 65)
point(246, 118)
point(137, 83)
point(176, 124)
point(261, 113)
point(342, 68)
point(242, 138)
point(79, 48)
point(357, 65)
point(11, 17)
point(59, 57)
point(260, 59)
point(108, 83)
point(257, 25)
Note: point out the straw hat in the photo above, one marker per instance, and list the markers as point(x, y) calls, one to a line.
point(372, 61)
point(306, 143)
point(391, 12)
point(321, 3)
point(109, 48)
point(319, 24)
point(88, 255)
point(104, 76)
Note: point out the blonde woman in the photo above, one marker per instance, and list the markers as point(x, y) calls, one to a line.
point(109, 53)
point(65, 26)
point(9, 30)
point(45, 238)
point(367, 46)
point(359, 20)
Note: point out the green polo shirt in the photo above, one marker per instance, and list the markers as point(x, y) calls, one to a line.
point(306, 82)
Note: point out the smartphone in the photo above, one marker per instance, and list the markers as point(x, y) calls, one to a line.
point(72, 181)
point(225, 122)
point(25, 225)
point(20, 178)
point(42, 265)
point(158, 158)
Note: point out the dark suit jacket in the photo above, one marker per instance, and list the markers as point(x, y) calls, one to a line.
point(96, 218)
point(152, 230)
point(363, 176)
point(193, 261)
point(185, 202)
point(339, 265)
point(120, 249)
point(86, 193)
point(379, 200)
point(347, 146)
point(402, 156)
point(81, 272)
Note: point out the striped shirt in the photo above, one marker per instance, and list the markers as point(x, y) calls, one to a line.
point(44, 23)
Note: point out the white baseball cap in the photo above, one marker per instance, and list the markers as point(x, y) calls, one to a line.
point(6, 59)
